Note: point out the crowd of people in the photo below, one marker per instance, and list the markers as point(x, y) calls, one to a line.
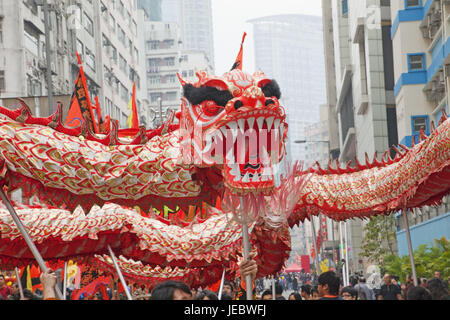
point(298, 286)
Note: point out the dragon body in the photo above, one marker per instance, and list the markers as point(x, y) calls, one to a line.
point(229, 138)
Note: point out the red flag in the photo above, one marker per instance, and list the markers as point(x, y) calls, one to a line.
point(99, 116)
point(80, 105)
point(133, 120)
point(239, 59)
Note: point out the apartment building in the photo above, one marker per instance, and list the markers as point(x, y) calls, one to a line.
point(165, 58)
point(421, 51)
point(360, 88)
point(103, 32)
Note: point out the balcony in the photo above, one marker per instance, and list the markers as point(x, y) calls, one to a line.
point(432, 21)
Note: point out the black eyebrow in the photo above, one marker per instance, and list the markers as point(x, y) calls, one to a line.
point(272, 89)
point(198, 95)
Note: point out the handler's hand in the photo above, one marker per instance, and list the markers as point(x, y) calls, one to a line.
point(48, 281)
point(249, 266)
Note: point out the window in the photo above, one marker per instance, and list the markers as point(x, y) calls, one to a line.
point(171, 96)
point(122, 63)
point(2, 80)
point(88, 24)
point(90, 59)
point(344, 7)
point(416, 62)
point(154, 96)
point(1, 30)
point(413, 3)
point(418, 122)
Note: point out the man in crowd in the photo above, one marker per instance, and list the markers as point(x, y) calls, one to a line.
point(5, 291)
point(389, 291)
point(364, 292)
point(328, 286)
point(349, 293)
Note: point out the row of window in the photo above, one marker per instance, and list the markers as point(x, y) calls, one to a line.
point(165, 96)
point(114, 111)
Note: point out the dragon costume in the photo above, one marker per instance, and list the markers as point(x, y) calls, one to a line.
point(227, 141)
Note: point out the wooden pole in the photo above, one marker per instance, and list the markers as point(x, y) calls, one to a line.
point(65, 280)
point(246, 251)
point(221, 284)
point(19, 283)
point(122, 280)
point(27, 238)
point(411, 252)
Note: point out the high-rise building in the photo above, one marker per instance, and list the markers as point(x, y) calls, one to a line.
point(165, 58)
point(23, 64)
point(360, 88)
point(289, 48)
point(422, 66)
point(152, 9)
point(194, 17)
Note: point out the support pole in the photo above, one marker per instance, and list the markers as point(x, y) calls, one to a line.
point(346, 254)
point(19, 283)
point(342, 254)
point(274, 293)
point(27, 238)
point(65, 280)
point(221, 284)
point(316, 256)
point(122, 280)
point(246, 251)
point(411, 253)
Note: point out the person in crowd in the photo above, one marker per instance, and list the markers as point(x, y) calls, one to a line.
point(405, 287)
point(15, 292)
point(349, 293)
point(437, 289)
point(305, 291)
point(5, 291)
point(228, 288)
point(437, 275)
point(279, 291)
point(418, 293)
point(171, 290)
point(328, 286)
point(267, 295)
point(364, 292)
point(206, 295)
point(315, 293)
point(295, 296)
point(423, 282)
point(226, 296)
point(389, 291)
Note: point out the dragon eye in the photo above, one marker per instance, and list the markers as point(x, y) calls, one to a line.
point(210, 108)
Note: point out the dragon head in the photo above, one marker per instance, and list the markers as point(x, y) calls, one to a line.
point(236, 124)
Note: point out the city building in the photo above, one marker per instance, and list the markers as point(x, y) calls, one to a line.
point(360, 88)
point(23, 64)
point(118, 56)
point(152, 9)
point(289, 48)
point(317, 143)
point(165, 58)
point(421, 53)
point(194, 17)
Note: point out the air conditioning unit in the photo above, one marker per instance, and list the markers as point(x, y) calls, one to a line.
point(436, 18)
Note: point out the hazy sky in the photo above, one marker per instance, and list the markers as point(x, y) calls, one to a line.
point(230, 18)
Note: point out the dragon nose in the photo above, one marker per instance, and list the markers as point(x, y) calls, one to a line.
point(253, 97)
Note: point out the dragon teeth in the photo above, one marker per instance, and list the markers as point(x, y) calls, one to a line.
point(270, 123)
point(241, 123)
point(246, 178)
point(260, 122)
point(234, 130)
point(251, 122)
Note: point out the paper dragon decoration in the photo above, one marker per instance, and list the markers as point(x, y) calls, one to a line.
point(229, 141)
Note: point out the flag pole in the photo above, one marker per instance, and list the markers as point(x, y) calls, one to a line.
point(19, 283)
point(122, 280)
point(221, 284)
point(27, 238)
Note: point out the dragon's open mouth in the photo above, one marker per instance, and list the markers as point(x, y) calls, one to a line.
point(248, 148)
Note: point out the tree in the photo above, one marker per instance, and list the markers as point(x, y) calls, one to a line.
point(427, 259)
point(379, 239)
